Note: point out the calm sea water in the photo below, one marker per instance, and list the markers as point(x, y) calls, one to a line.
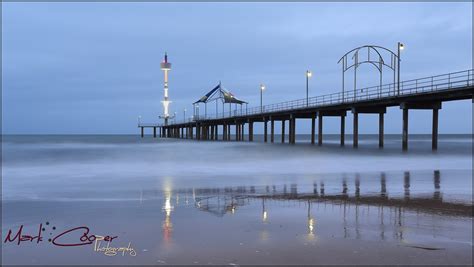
point(120, 167)
point(275, 203)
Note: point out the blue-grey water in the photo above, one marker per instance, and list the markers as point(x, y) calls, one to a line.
point(201, 202)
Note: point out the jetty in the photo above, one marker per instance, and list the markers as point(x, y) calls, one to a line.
point(426, 93)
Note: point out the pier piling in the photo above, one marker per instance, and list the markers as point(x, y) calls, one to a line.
point(320, 129)
point(237, 135)
point(272, 130)
point(343, 127)
point(355, 133)
point(264, 130)
point(381, 128)
point(405, 129)
point(434, 134)
point(290, 131)
point(224, 134)
point(282, 131)
point(293, 129)
point(313, 126)
point(250, 131)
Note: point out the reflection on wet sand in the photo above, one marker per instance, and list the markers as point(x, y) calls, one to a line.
point(390, 210)
point(229, 199)
point(167, 225)
point(311, 222)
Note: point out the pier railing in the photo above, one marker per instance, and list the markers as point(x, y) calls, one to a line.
point(418, 86)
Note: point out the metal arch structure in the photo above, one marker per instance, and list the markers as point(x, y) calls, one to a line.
point(378, 62)
point(217, 94)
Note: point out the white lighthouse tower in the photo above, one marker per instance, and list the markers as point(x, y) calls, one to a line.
point(166, 66)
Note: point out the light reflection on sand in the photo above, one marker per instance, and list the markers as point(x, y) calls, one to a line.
point(326, 221)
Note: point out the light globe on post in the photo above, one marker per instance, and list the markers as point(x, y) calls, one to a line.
point(308, 75)
point(262, 88)
point(400, 47)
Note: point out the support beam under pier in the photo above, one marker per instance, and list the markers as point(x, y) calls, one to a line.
point(250, 131)
point(264, 130)
point(434, 133)
point(355, 133)
point(320, 129)
point(292, 136)
point(381, 128)
point(405, 129)
point(380, 110)
point(330, 113)
point(435, 106)
point(343, 131)
point(272, 130)
point(282, 131)
point(313, 126)
point(237, 134)
point(224, 132)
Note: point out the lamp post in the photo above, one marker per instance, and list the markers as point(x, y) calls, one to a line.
point(184, 115)
point(175, 117)
point(262, 88)
point(400, 47)
point(139, 120)
point(308, 75)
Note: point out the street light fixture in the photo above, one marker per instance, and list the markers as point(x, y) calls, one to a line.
point(262, 88)
point(308, 75)
point(400, 47)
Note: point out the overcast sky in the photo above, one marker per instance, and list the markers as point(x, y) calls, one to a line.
point(94, 67)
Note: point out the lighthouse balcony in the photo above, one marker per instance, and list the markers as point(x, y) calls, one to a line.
point(165, 66)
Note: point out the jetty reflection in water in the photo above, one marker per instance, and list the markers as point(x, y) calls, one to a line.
point(378, 214)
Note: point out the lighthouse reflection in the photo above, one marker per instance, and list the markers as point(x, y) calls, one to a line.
point(264, 211)
point(311, 221)
point(359, 206)
point(167, 225)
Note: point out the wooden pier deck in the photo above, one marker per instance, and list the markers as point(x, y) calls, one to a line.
point(425, 93)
